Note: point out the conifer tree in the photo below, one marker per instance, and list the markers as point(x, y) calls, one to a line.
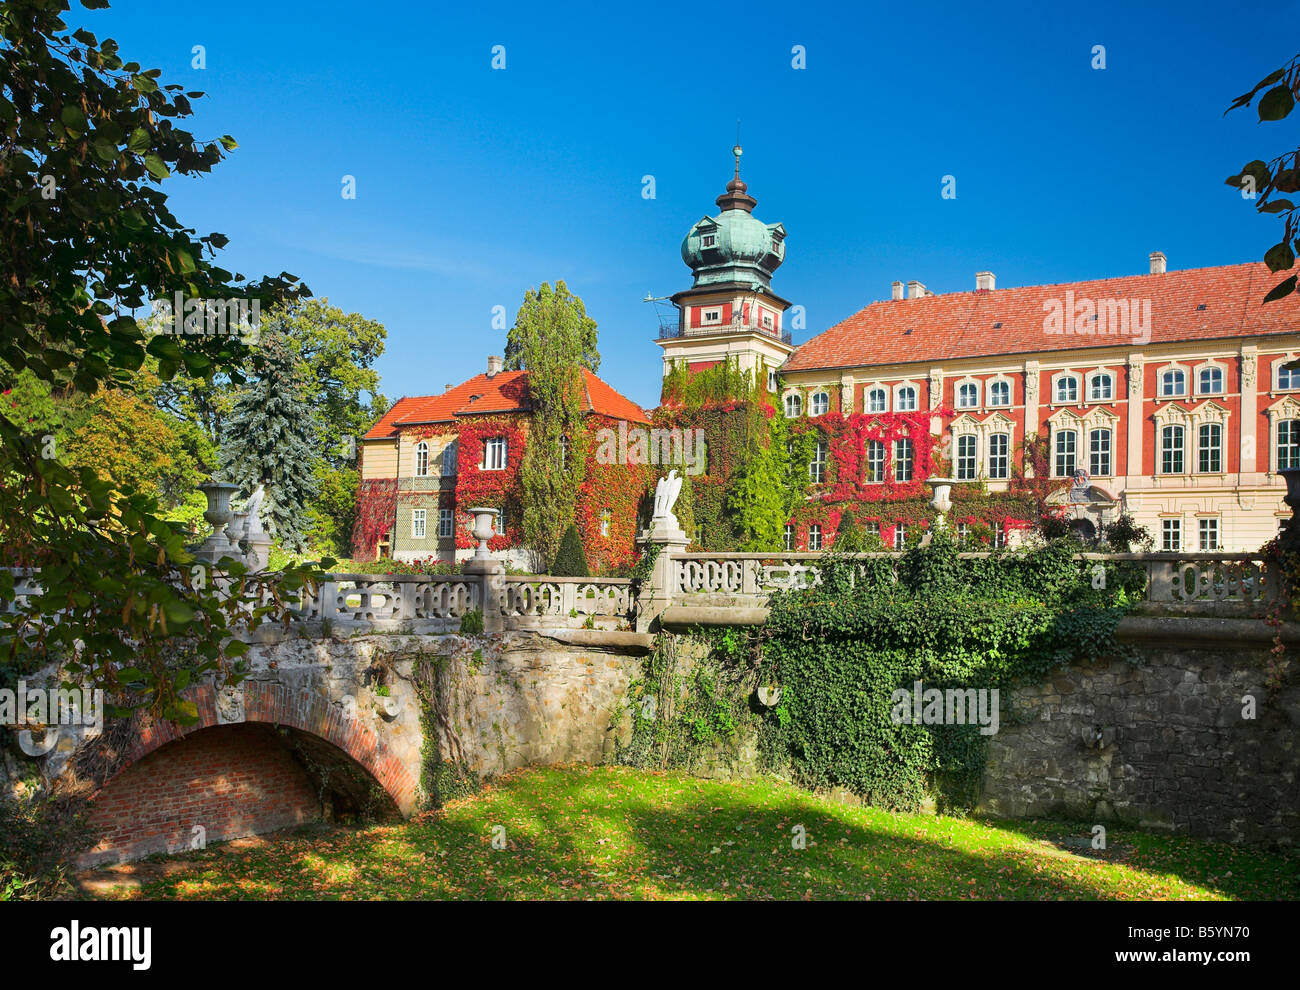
point(273, 441)
point(571, 561)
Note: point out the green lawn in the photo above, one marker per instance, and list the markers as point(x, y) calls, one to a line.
point(611, 832)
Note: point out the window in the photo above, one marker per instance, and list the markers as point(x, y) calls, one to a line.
point(900, 536)
point(963, 532)
point(771, 380)
point(877, 400)
point(1173, 382)
point(999, 456)
point(819, 404)
point(875, 462)
point(787, 539)
point(966, 457)
point(1209, 534)
point(1288, 444)
point(1099, 453)
point(1101, 388)
point(1067, 388)
point(872, 529)
point(449, 460)
point(814, 537)
point(817, 466)
point(906, 399)
point(1209, 448)
point(793, 405)
point(606, 520)
point(968, 396)
point(1171, 450)
point(1210, 381)
point(499, 524)
point(1066, 442)
point(417, 524)
point(494, 454)
point(708, 240)
point(1171, 534)
point(904, 453)
point(776, 246)
point(711, 316)
point(999, 393)
point(445, 521)
point(768, 322)
point(999, 534)
point(421, 459)
point(1287, 377)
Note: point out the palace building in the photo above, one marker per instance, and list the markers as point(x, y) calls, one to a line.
point(1161, 395)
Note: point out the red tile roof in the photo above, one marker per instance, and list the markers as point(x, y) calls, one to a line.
point(504, 392)
point(966, 324)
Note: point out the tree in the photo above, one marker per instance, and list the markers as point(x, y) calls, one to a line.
point(1260, 180)
point(584, 327)
point(570, 560)
point(551, 335)
point(850, 537)
point(273, 441)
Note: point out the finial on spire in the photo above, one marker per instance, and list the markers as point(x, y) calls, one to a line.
point(737, 150)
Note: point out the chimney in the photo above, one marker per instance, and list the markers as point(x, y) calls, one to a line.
point(915, 290)
point(494, 364)
point(1157, 262)
point(984, 281)
point(897, 289)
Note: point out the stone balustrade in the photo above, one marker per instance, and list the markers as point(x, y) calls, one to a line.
point(746, 579)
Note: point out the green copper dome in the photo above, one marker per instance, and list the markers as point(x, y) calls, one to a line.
point(734, 246)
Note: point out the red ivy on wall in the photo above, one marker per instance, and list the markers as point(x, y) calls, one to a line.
point(618, 489)
point(376, 506)
point(476, 486)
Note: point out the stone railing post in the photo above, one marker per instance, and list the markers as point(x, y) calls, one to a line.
point(657, 592)
point(491, 575)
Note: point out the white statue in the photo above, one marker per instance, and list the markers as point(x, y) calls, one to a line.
point(666, 492)
point(252, 513)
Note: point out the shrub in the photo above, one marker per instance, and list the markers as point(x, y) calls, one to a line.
point(39, 835)
point(850, 537)
point(571, 561)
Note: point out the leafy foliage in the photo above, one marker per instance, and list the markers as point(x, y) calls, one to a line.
point(1261, 181)
point(568, 312)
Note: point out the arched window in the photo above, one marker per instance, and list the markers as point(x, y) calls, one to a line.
point(999, 393)
point(819, 404)
point(906, 399)
point(449, 460)
point(966, 459)
point(877, 400)
point(814, 537)
point(1099, 444)
point(1101, 387)
point(875, 462)
point(968, 395)
point(999, 456)
point(904, 455)
point(1171, 450)
point(1067, 451)
point(1067, 388)
point(421, 459)
point(1209, 448)
point(1287, 377)
point(793, 406)
point(1173, 382)
point(1288, 444)
point(1210, 381)
point(606, 521)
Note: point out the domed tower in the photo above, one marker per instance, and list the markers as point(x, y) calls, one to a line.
point(730, 311)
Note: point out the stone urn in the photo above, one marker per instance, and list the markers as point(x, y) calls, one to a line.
point(218, 512)
point(484, 529)
point(942, 500)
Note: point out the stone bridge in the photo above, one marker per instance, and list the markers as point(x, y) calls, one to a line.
point(362, 704)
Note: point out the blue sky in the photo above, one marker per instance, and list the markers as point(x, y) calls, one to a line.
point(474, 184)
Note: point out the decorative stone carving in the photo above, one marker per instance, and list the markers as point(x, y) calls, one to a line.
point(1134, 379)
point(1248, 371)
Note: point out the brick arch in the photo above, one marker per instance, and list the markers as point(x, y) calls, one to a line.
point(310, 712)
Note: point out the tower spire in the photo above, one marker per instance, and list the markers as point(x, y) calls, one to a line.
point(736, 197)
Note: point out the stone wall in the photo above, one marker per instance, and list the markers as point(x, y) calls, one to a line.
point(1176, 751)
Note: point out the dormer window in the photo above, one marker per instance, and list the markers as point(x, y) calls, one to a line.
point(708, 240)
point(776, 246)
